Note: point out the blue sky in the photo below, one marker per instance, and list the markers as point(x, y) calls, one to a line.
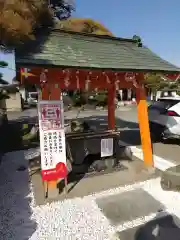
point(156, 21)
point(9, 72)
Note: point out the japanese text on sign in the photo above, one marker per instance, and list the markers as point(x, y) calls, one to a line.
point(52, 140)
point(53, 148)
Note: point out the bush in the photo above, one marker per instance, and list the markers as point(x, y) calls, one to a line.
point(82, 98)
point(78, 99)
point(101, 99)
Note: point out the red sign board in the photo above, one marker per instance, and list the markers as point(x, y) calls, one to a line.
point(50, 111)
point(53, 174)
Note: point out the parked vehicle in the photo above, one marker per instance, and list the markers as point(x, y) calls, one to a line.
point(164, 118)
point(32, 98)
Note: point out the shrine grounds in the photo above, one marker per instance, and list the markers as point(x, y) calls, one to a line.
point(123, 205)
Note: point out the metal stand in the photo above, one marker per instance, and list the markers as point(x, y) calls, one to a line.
point(66, 186)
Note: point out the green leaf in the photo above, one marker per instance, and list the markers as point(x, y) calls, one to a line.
point(3, 64)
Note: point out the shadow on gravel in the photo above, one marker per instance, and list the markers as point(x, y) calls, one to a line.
point(164, 228)
point(15, 213)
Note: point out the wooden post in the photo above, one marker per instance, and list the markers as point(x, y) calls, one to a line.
point(51, 92)
point(111, 107)
point(55, 92)
point(144, 126)
point(45, 93)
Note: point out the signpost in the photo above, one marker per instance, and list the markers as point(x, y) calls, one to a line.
point(107, 147)
point(52, 140)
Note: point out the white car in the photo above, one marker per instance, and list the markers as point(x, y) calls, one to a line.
point(164, 118)
point(32, 98)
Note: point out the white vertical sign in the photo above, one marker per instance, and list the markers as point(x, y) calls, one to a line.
point(53, 149)
point(52, 135)
point(106, 147)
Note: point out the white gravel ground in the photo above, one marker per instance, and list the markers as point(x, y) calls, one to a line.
point(76, 219)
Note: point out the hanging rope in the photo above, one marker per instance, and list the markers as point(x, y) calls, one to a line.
point(77, 80)
point(131, 77)
point(117, 82)
point(67, 78)
point(108, 81)
point(87, 81)
point(43, 78)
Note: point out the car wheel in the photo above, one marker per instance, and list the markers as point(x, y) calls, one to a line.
point(164, 140)
point(156, 132)
point(156, 137)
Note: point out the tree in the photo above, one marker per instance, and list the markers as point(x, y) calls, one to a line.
point(2, 65)
point(61, 9)
point(3, 94)
point(20, 20)
point(138, 40)
point(155, 82)
point(84, 25)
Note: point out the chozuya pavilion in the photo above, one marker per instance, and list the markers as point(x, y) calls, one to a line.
point(69, 60)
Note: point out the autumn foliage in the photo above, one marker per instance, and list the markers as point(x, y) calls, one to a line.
point(84, 25)
point(20, 18)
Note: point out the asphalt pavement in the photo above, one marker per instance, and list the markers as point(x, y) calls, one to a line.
point(26, 114)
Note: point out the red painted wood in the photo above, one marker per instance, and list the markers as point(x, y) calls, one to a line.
point(55, 92)
point(45, 93)
point(72, 79)
point(111, 107)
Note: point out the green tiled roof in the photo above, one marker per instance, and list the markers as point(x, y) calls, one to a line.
point(68, 49)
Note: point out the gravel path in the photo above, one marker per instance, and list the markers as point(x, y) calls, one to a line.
point(75, 219)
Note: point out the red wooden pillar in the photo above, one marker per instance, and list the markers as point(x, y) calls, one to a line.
point(111, 107)
point(55, 92)
point(144, 126)
point(45, 93)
